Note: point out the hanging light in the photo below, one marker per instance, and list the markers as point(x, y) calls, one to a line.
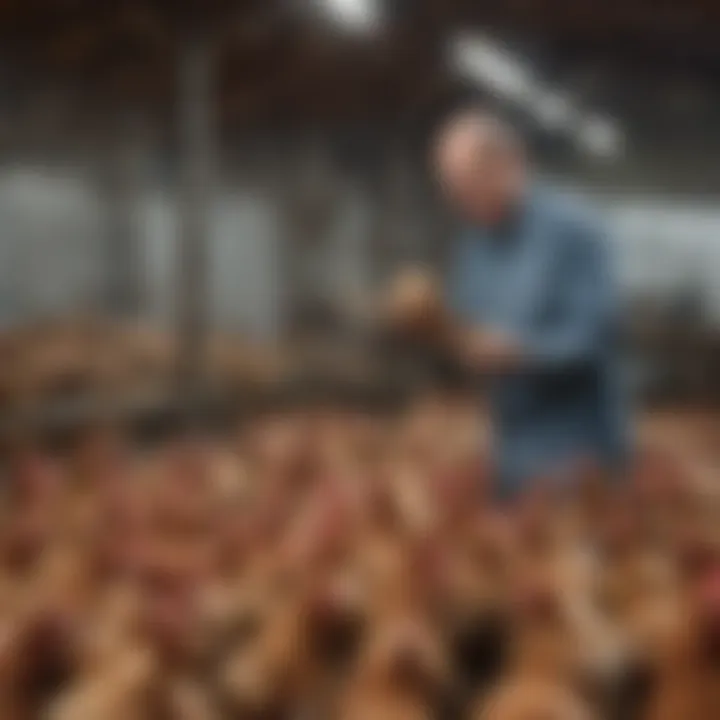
point(483, 61)
point(600, 137)
point(553, 111)
point(355, 15)
point(496, 68)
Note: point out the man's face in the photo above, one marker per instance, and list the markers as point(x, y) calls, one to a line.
point(479, 175)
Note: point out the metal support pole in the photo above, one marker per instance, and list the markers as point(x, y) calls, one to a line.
point(389, 236)
point(196, 104)
point(123, 290)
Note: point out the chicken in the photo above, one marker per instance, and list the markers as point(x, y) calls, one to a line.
point(36, 658)
point(413, 302)
point(639, 587)
point(402, 673)
point(562, 637)
point(533, 700)
point(688, 684)
point(332, 564)
point(188, 699)
point(478, 575)
point(294, 659)
point(119, 692)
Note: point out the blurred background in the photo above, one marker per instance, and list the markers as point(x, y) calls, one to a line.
point(240, 172)
point(199, 200)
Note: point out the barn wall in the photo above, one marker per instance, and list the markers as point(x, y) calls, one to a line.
point(51, 256)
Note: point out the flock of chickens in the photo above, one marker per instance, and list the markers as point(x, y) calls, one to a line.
point(333, 565)
point(67, 361)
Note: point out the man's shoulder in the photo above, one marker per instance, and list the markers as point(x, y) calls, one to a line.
point(568, 211)
point(575, 225)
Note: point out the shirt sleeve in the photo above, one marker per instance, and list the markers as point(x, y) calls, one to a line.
point(584, 314)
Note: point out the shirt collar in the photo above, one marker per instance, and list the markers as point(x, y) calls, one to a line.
point(509, 227)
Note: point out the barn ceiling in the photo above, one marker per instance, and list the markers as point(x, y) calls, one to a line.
point(275, 61)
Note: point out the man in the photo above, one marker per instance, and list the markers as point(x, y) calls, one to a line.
point(532, 295)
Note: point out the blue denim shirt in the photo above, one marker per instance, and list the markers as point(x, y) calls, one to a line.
point(545, 279)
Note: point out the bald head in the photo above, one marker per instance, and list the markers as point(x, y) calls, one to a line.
point(480, 164)
point(479, 132)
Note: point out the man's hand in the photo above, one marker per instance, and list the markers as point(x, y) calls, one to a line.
point(413, 303)
point(490, 350)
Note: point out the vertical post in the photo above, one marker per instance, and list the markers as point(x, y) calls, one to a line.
point(123, 288)
point(391, 237)
point(196, 103)
point(308, 211)
point(290, 253)
point(442, 227)
point(381, 248)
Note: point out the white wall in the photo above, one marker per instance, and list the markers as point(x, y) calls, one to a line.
point(48, 261)
point(663, 246)
point(51, 235)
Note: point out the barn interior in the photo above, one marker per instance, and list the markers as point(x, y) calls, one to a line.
point(241, 172)
point(226, 493)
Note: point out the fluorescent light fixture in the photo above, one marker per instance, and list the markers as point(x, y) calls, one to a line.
point(553, 111)
point(358, 15)
point(491, 65)
point(600, 137)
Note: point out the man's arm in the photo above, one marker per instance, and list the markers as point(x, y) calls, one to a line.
point(581, 324)
point(586, 305)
